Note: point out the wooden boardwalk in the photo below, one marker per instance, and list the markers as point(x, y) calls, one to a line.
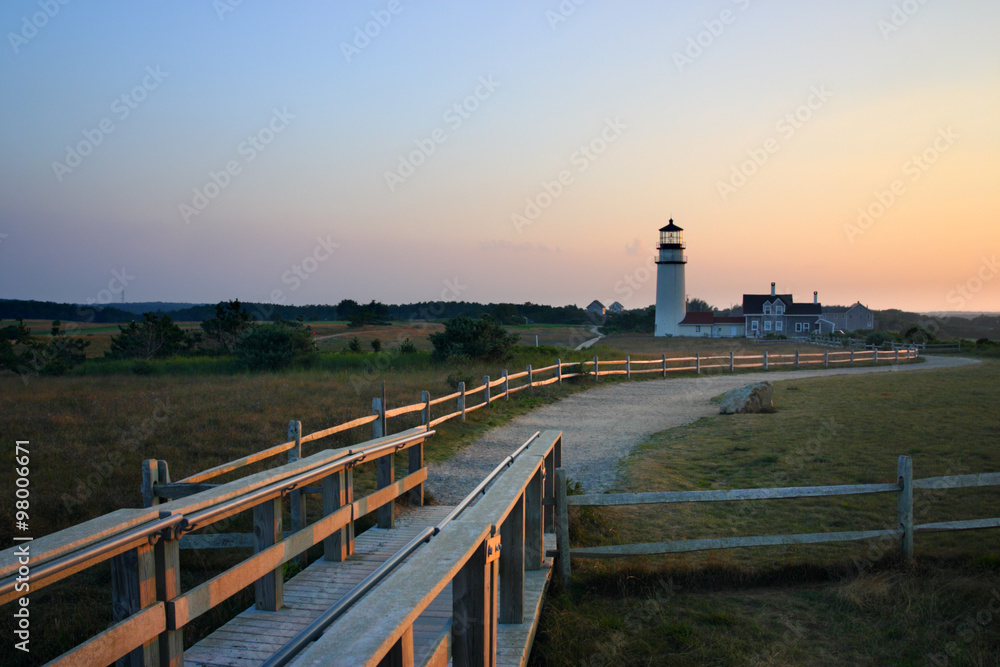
point(253, 636)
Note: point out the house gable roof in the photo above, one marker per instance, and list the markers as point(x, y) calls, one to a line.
point(595, 304)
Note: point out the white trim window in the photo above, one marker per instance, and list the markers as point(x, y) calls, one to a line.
point(754, 325)
point(798, 327)
point(805, 327)
point(767, 309)
point(779, 309)
point(767, 325)
point(778, 325)
point(697, 329)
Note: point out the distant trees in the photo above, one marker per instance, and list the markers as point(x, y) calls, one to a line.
point(24, 354)
point(358, 315)
point(482, 339)
point(700, 306)
point(640, 320)
point(156, 337)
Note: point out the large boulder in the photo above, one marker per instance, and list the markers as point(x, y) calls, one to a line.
point(756, 397)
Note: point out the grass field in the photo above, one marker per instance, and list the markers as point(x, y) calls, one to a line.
point(850, 603)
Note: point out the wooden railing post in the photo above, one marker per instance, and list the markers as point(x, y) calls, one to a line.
point(796, 360)
point(401, 653)
point(875, 355)
point(663, 361)
point(506, 386)
point(133, 588)
point(904, 507)
point(697, 363)
point(486, 391)
point(338, 491)
point(597, 373)
point(474, 605)
point(628, 367)
point(425, 412)
point(531, 377)
point(732, 366)
point(167, 555)
point(897, 356)
point(852, 356)
point(461, 399)
point(385, 467)
point(826, 358)
point(295, 499)
point(150, 477)
point(765, 360)
point(549, 493)
point(512, 565)
point(559, 371)
point(269, 589)
point(416, 462)
point(534, 521)
point(562, 527)
point(377, 425)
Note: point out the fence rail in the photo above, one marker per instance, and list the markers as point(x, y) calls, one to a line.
point(904, 526)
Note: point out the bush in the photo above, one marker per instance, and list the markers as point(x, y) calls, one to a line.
point(274, 347)
point(376, 345)
point(229, 323)
point(465, 338)
point(460, 376)
point(22, 353)
point(876, 338)
point(354, 345)
point(407, 346)
point(156, 337)
point(142, 367)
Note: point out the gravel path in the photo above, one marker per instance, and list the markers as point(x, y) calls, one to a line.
point(601, 426)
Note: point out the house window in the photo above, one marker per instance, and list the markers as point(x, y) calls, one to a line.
point(779, 309)
point(697, 329)
point(778, 325)
point(767, 309)
point(754, 325)
point(798, 327)
point(767, 325)
point(805, 327)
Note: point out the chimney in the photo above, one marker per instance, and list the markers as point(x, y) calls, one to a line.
point(772, 289)
point(815, 297)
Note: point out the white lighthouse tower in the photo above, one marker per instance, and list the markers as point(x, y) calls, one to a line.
point(671, 305)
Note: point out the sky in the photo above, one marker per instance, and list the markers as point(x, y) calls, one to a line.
point(500, 151)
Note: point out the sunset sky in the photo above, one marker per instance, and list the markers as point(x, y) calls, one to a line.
point(500, 151)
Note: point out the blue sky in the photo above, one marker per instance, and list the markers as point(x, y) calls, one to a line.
point(883, 189)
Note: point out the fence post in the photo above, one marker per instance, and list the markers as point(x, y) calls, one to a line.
point(596, 371)
point(167, 555)
point(697, 362)
point(875, 356)
point(461, 399)
point(473, 599)
point(269, 589)
point(534, 521)
point(765, 360)
point(415, 461)
point(897, 356)
point(628, 367)
point(297, 506)
point(562, 526)
point(512, 565)
point(559, 371)
point(133, 588)
point(385, 468)
point(732, 367)
point(852, 356)
point(904, 510)
point(531, 380)
point(425, 412)
point(506, 386)
point(338, 491)
point(663, 360)
point(796, 360)
point(826, 358)
point(486, 391)
point(150, 477)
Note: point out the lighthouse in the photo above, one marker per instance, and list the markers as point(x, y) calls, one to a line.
point(671, 305)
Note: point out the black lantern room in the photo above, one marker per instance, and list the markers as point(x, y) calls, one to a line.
point(671, 236)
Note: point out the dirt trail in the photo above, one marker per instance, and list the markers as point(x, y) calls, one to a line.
point(601, 426)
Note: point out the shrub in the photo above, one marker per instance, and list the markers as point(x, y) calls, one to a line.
point(156, 337)
point(376, 345)
point(229, 323)
point(354, 345)
point(407, 346)
point(142, 367)
point(460, 376)
point(876, 338)
point(273, 347)
point(465, 338)
point(24, 354)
